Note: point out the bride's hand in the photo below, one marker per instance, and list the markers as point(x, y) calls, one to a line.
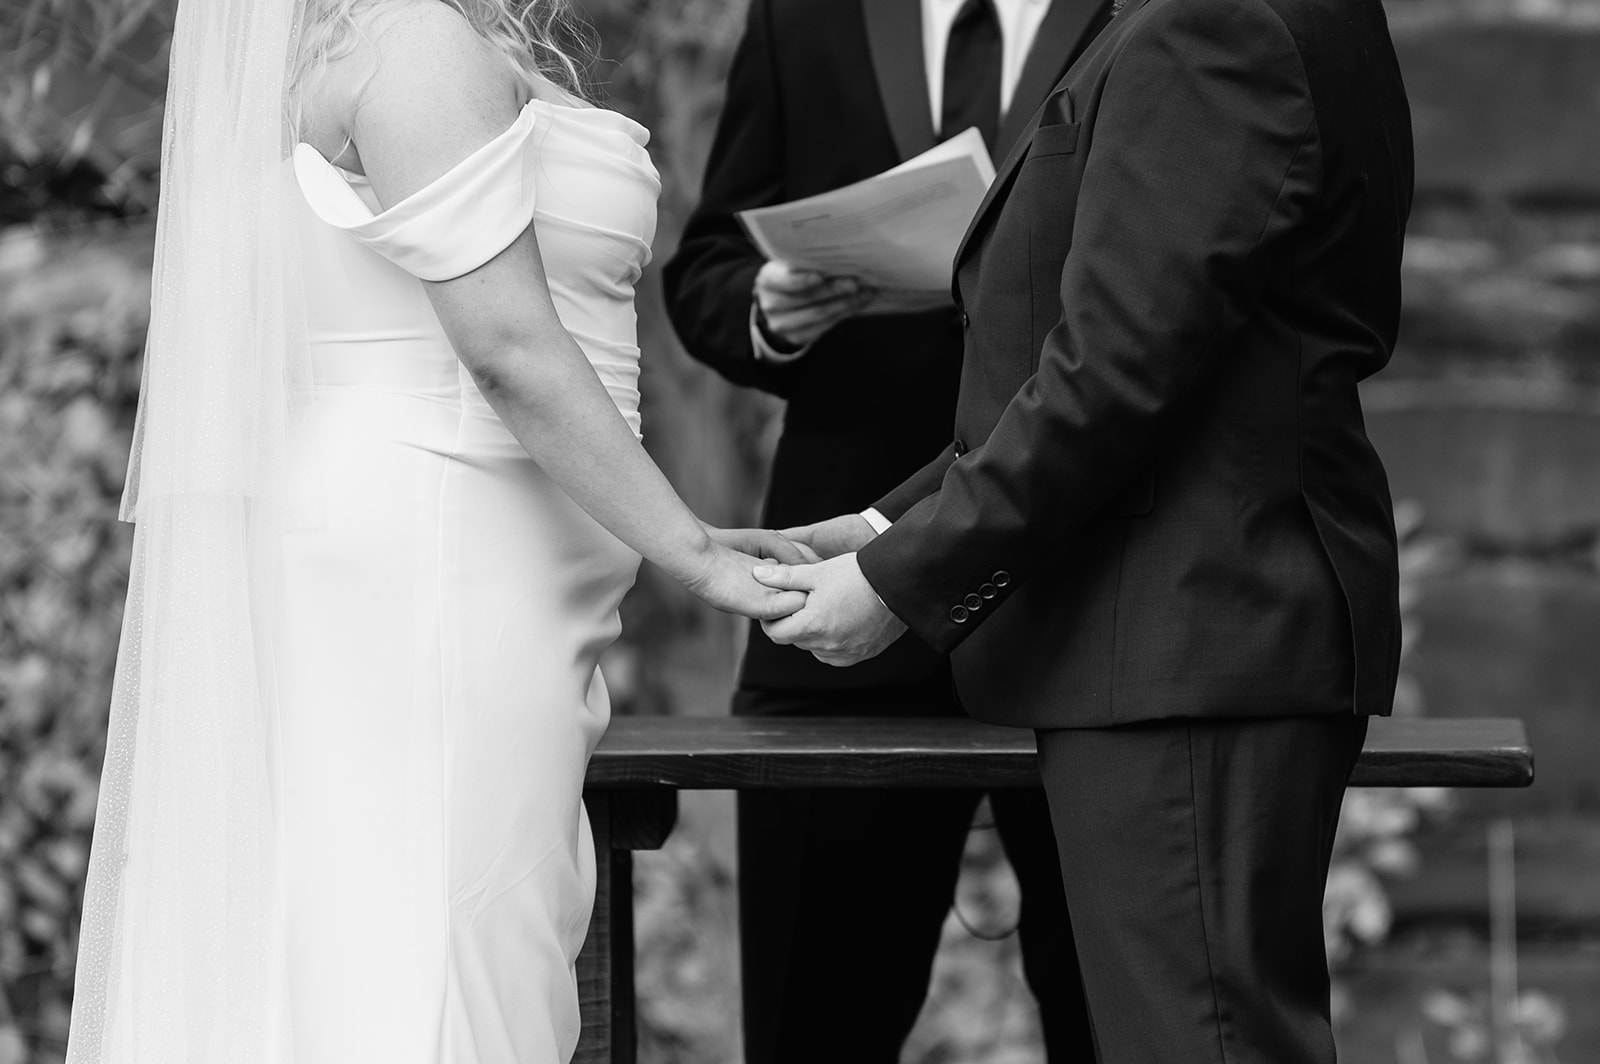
point(725, 582)
point(763, 543)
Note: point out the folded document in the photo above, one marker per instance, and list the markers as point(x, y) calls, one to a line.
point(896, 232)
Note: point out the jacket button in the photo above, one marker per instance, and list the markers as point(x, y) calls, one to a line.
point(960, 448)
point(959, 614)
point(988, 591)
point(1002, 578)
point(966, 322)
point(973, 602)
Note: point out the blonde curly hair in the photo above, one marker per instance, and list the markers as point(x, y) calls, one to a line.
point(544, 43)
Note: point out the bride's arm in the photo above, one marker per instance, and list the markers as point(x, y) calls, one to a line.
point(434, 94)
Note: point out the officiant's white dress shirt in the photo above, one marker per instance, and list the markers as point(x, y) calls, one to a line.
point(1019, 24)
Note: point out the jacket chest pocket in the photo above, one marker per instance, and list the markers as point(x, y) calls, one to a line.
point(1047, 181)
point(1058, 139)
point(1057, 131)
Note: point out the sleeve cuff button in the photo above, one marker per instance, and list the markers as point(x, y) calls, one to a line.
point(959, 614)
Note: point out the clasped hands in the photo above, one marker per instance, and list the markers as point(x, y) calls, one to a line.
point(822, 602)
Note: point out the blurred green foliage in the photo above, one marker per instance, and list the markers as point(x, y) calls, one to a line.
point(73, 310)
point(82, 83)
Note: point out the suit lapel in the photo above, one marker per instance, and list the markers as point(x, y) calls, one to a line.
point(1064, 36)
point(1066, 30)
point(1002, 178)
point(894, 36)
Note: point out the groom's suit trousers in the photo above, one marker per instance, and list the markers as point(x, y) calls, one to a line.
point(1194, 854)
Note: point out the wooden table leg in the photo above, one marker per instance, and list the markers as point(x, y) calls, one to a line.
point(622, 821)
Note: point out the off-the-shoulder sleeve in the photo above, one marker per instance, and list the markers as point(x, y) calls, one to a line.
point(449, 227)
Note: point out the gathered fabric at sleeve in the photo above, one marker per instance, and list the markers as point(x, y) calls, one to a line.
point(449, 227)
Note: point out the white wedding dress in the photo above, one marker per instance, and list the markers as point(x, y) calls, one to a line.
point(444, 612)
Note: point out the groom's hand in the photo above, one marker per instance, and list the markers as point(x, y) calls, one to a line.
point(845, 534)
point(764, 543)
point(843, 621)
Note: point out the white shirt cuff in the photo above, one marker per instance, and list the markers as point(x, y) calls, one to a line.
point(880, 524)
point(765, 352)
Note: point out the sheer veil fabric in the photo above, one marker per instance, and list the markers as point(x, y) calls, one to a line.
point(179, 957)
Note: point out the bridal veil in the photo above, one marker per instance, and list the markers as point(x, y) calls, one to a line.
point(179, 958)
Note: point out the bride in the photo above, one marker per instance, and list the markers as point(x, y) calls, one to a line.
point(388, 492)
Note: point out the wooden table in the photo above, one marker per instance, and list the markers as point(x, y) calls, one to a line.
point(635, 777)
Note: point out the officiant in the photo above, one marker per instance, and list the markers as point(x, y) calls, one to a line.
point(843, 893)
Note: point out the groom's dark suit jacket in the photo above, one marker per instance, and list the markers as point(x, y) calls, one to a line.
point(1160, 499)
point(823, 93)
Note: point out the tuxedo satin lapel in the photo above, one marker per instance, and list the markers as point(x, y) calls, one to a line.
point(1062, 37)
point(894, 37)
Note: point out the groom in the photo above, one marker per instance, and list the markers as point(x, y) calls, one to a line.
point(1160, 536)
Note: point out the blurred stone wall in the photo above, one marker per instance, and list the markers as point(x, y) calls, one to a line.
point(1489, 416)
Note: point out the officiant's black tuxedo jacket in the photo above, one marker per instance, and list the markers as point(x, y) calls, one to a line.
point(1159, 499)
point(824, 93)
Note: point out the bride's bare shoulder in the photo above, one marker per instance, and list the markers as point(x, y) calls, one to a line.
point(427, 38)
point(423, 90)
point(415, 65)
point(420, 57)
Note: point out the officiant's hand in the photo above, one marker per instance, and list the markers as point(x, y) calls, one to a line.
point(798, 306)
point(843, 621)
point(844, 534)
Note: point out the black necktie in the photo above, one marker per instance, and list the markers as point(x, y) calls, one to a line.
point(972, 73)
